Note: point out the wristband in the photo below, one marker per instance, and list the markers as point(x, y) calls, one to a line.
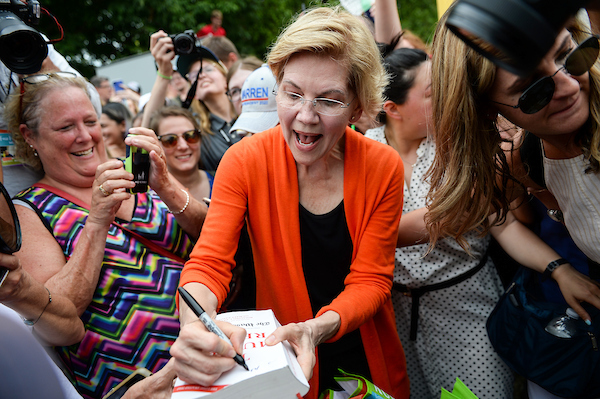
point(164, 76)
point(187, 202)
point(553, 266)
point(30, 322)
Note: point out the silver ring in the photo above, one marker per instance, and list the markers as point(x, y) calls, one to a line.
point(103, 191)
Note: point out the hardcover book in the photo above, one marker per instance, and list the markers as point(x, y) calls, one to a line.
point(273, 372)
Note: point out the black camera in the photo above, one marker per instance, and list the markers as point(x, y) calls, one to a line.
point(185, 42)
point(514, 34)
point(22, 48)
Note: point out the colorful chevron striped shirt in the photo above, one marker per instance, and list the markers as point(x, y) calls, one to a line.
point(132, 320)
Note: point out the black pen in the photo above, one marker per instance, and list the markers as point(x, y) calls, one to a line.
point(209, 323)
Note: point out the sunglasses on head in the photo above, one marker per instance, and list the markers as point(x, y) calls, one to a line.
point(540, 93)
point(170, 140)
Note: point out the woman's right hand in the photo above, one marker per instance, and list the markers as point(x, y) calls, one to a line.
point(201, 356)
point(576, 288)
point(114, 180)
point(163, 51)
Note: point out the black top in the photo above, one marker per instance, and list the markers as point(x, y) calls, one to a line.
point(326, 256)
point(214, 145)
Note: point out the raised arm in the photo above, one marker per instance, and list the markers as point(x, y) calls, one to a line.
point(161, 47)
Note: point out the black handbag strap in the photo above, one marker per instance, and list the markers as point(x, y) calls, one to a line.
point(416, 293)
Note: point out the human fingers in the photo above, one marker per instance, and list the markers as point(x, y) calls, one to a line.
point(154, 38)
point(201, 356)
point(11, 262)
point(577, 288)
point(299, 337)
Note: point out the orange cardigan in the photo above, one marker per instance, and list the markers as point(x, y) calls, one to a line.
point(257, 180)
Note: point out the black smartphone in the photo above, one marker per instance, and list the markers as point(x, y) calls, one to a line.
point(118, 391)
point(137, 162)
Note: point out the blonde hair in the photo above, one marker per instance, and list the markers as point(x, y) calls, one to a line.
point(470, 177)
point(200, 110)
point(342, 36)
point(26, 109)
point(464, 176)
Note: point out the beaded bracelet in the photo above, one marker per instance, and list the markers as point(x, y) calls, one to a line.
point(187, 202)
point(164, 76)
point(31, 323)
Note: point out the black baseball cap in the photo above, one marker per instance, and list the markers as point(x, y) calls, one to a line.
point(185, 61)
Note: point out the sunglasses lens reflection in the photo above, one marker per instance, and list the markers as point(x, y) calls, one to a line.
point(192, 136)
point(583, 58)
point(170, 140)
point(537, 96)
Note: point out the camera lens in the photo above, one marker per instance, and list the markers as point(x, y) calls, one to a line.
point(22, 48)
point(184, 43)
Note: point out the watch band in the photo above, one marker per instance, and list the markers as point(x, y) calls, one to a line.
point(553, 266)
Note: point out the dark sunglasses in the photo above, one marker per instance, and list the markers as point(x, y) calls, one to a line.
point(10, 230)
point(170, 140)
point(540, 93)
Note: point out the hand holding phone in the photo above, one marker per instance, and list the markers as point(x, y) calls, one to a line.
point(137, 162)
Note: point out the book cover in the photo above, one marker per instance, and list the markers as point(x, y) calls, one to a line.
point(274, 371)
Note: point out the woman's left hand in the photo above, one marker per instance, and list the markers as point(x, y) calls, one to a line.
point(145, 138)
point(301, 338)
point(305, 336)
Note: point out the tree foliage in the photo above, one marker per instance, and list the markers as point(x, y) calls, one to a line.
point(100, 31)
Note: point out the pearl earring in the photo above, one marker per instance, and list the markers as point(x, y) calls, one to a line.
point(34, 151)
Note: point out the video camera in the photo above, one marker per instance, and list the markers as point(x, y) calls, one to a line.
point(22, 48)
point(513, 34)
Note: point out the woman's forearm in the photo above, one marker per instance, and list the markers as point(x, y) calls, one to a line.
point(78, 279)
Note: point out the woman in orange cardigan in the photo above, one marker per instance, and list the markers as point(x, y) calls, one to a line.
point(322, 205)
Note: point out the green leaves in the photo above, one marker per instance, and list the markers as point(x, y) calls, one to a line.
point(100, 31)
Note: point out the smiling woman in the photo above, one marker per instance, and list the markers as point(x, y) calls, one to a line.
point(116, 256)
point(322, 205)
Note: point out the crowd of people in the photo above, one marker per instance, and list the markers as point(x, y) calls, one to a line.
point(352, 182)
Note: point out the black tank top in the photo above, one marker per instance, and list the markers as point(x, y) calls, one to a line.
point(326, 256)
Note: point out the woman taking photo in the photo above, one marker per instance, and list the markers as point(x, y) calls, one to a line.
point(322, 204)
point(115, 255)
point(211, 105)
point(181, 138)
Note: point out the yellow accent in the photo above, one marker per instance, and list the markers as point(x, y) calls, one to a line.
point(442, 6)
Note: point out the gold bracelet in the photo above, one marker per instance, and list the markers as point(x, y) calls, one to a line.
point(31, 323)
point(187, 202)
point(164, 76)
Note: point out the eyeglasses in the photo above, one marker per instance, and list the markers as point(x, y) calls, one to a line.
point(10, 230)
point(203, 70)
point(322, 106)
point(234, 94)
point(39, 78)
point(170, 140)
point(540, 93)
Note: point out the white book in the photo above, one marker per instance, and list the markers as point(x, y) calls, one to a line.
point(274, 371)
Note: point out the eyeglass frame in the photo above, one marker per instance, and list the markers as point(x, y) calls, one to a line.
point(236, 91)
point(548, 80)
point(314, 101)
point(182, 135)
